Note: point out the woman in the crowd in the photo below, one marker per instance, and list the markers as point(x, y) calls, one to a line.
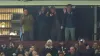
point(20, 50)
point(76, 45)
point(56, 30)
point(49, 48)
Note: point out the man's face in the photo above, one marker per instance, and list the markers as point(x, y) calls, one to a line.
point(20, 55)
point(43, 9)
point(69, 8)
point(26, 53)
point(52, 10)
point(49, 44)
point(95, 45)
point(61, 54)
point(72, 49)
point(25, 12)
point(34, 53)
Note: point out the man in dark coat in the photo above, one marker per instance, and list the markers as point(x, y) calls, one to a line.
point(42, 25)
point(27, 25)
point(68, 22)
point(56, 31)
point(72, 52)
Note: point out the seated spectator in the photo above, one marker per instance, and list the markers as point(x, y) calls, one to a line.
point(95, 46)
point(11, 49)
point(89, 51)
point(4, 48)
point(62, 48)
point(26, 53)
point(72, 52)
point(34, 53)
point(61, 54)
point(20, 50)
point(48, 54)
point(97, 51)
point(32, 48)
point(49, 49)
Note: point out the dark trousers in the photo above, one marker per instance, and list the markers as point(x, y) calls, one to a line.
point(28, 36)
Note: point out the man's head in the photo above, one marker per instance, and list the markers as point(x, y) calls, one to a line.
point(49, 42)
point(72, 50)
point(43, 9)
point(25, 11)
point(52, 9)
point(26, 53)
point(20, 54)
point(95, 45)
point(34, 53)
point(32, 48)
point(61, 54)
point(69, 7)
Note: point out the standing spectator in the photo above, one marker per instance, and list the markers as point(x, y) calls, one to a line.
point(56, 31)
point(95, 46)
point(27, 25)
point(49, 49)
point(68, 22)
point(4, 49)
point(42, 24)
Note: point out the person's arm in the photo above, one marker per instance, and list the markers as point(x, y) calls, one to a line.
point(31, 19)
point(63, 20)
point(22, 20)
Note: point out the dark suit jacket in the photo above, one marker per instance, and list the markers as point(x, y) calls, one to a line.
point(64, 19)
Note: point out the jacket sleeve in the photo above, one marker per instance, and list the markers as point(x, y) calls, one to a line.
point(63, 20)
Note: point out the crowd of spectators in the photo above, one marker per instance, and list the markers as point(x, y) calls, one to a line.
point(81, 48)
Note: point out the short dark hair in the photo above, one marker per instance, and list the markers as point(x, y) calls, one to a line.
point(69, 5)
point(52, 7)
